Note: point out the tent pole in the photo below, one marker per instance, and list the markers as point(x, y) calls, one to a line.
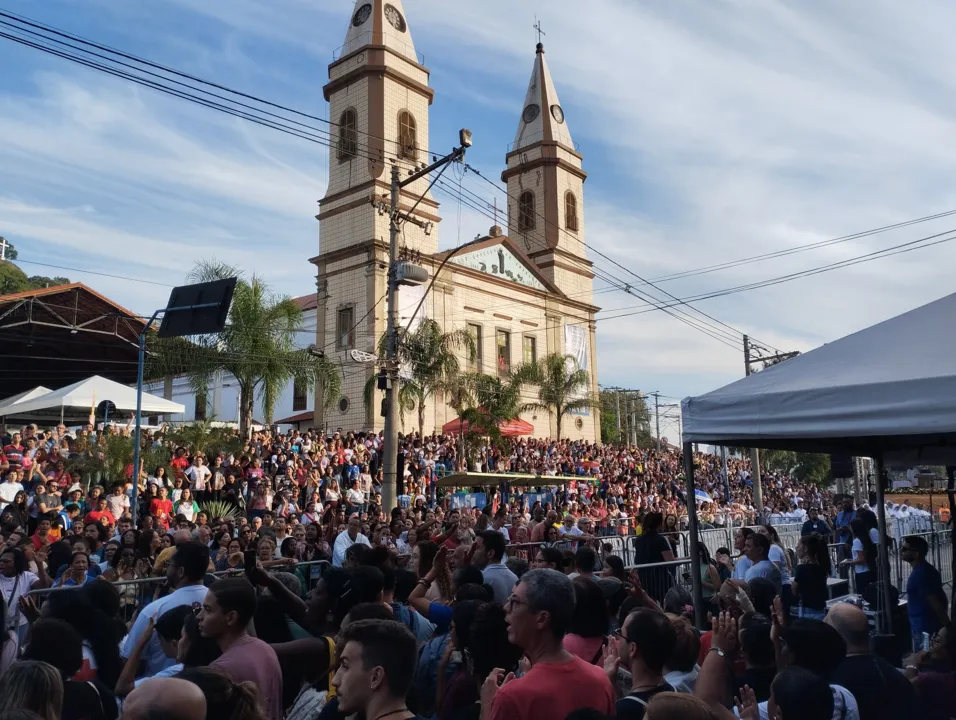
point(699, 615)
point(884, 554)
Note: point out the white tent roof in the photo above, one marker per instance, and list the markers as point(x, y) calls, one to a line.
point(76, 400)
point(25, 395)
point(890, 387)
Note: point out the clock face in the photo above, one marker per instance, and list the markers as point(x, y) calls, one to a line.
point(395, 17)
point(557, 113)
point(530, 113)
point(362, 14)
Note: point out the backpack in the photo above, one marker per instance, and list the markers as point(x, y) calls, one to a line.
point(426, 674)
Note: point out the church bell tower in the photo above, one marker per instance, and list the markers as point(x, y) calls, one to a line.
point(546, 188)
point(379, 101)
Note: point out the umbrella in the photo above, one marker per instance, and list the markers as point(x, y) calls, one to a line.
point(702, 496)
point(508, 428)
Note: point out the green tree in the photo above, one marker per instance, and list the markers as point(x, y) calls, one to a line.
point(432, 356)
point(813, 468)
point(609, 408)
point(39, 282)
point(563, 388)
point(13, 279)
point(257, 347)
point(202, 436)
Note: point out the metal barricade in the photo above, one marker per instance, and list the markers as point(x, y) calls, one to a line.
point(658, 578)
point(617, 545)
point(526, 551)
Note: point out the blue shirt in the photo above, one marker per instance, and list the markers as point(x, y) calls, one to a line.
point(845, 517)
point(924, 582)
point(765, 569)
point(501, 579)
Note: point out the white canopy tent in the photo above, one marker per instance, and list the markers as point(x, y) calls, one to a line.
point(22, 397)
point(74, 402)
point(885, 392)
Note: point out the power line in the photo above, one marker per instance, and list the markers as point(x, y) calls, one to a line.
point(800, 248)
point(868, 257)
point(275, 124)
point(24, 20)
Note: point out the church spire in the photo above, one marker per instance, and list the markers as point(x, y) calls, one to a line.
point(542, 119)
point(379, 23)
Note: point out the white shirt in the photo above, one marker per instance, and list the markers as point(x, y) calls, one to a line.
point(156, 660)
point(342, 543)
point(12, 589)
point(8, 492)
point(198, 474)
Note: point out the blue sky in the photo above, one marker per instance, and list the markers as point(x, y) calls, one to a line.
point(711, 131)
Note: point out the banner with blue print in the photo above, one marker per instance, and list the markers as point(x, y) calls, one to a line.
point(468, 500)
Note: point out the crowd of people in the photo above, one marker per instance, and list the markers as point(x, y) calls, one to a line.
point(272, 583)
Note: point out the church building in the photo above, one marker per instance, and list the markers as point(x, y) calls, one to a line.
point(524, 293)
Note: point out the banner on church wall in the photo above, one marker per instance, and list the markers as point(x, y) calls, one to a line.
point(408, 298)
point(576, 345)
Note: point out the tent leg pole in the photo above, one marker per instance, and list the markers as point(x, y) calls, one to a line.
point(138, 429)
point(699, 614)
point(885, 553)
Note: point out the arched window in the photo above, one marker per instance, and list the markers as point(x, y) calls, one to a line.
point(407, 140)
point(570, 211)
point(348, 135)
point(526, 211)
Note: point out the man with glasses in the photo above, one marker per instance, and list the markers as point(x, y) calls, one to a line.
point(538, 613)
point(925, 598)
point(644, 644)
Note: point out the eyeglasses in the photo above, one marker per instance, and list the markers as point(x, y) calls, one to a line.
point(512, 601)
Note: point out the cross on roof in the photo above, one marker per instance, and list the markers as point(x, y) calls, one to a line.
point(537, 26)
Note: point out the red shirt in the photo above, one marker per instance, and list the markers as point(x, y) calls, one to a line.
point(97, 515)
point(553, 690)
point(161, 510)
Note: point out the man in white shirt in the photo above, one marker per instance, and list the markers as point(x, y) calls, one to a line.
point(347, 539)
point(186, 572)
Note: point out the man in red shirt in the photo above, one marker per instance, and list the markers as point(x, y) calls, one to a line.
point(538, 614)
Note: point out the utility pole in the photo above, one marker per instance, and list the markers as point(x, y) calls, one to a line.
point(408, 274)
point(617, 400)
point(723, 462)
point(657, 417)
point(754, 452)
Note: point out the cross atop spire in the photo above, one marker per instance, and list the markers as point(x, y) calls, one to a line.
point(542, 117)
point(537, 26)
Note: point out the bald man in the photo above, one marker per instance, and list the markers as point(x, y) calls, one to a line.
point(180, 537)
point(166, 698)
point(880, 689)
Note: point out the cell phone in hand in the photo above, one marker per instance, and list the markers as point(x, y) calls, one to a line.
point(249, 558)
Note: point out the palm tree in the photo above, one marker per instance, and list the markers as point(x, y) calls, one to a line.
point(202, 436)
point(257, 347)
point(431, 356)
point(563, 387)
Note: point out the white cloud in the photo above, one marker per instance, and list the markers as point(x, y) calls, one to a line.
point(729, 128)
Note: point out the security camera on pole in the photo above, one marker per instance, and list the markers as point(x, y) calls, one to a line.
point(403, 273)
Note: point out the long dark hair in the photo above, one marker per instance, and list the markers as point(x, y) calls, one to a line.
point(94, 626)
point(817, 551)
point(862, 533)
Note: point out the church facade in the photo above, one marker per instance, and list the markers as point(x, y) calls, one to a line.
point(523, 294)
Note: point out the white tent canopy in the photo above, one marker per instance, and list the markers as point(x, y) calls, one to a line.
point(888, 390)
point(21, 397)
point(74, 402)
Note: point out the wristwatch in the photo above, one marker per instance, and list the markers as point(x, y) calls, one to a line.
point(718, 651)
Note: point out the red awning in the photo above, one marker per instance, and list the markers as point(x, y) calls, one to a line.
point(510, 428)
